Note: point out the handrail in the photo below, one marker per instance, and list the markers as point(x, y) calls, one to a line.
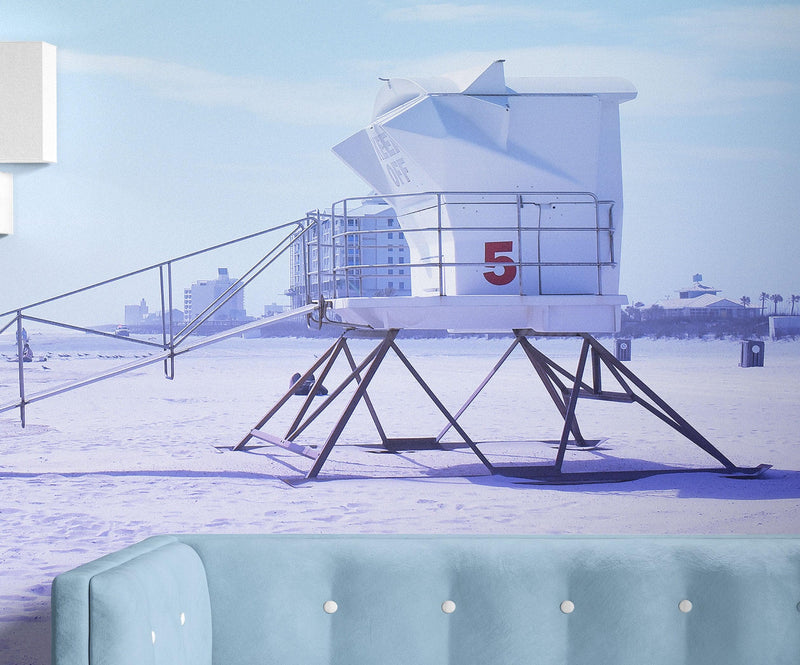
point(349, 272)
point(320, 282)
point(170, 340)
point(133, 273)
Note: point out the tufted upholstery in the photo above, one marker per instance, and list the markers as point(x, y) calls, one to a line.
point(146, 605)
point(434, 600)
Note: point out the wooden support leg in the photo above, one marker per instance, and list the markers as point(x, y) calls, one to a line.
point(333, 437)
point(547, 379)
point(367, 400)
point(334, 393)
point(340, 343)
point(569, 416)
point(292, 390)
point(667, 413)
point(443, 409)
point(478, 390)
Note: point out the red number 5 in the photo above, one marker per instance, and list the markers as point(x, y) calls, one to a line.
point(493, 254)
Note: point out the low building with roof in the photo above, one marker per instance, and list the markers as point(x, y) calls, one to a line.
point(701, 302)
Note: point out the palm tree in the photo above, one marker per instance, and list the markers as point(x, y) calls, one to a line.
point(745, 300)
point(776, 298)
point(763, 298)
point(795, 299)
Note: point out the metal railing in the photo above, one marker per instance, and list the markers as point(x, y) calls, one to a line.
point(327, 261)
point(173, 342)
point(334, 256)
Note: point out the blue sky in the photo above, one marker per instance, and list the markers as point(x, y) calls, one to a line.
point(183, 124)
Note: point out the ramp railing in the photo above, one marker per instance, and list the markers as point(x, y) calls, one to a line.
point(175, 335)
point(521, 243)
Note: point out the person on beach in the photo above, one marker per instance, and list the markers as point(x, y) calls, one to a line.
point(27, 353)
point(308, 384)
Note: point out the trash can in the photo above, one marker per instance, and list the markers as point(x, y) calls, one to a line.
point(622, 349)
point(752, 353)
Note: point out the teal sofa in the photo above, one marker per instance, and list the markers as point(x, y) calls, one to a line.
point(433, 600)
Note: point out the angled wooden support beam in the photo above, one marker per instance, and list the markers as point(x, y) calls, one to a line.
point(552, 384)
point(305, 451)
point(569, 416)
point(443, 409)
point(597, 374)
point(332, 395)
point(337, 348)
point(367, 401)
point(479, 389)
point(657, 406)
point(377, 358)
point(292, 390)
point(553, 369)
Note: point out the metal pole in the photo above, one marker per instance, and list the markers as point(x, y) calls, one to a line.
point(320, 295)
point(163, 319)
point(171, 374)
point(519, 244)
point(157, 265)
point(346, 226)
point(36, 397)
point(439, 235)
point(20, 369)
point(597, 247)
point(306, 277)
point(254, 271)
point(611, 232)
point(539, 245)
point(91, 331)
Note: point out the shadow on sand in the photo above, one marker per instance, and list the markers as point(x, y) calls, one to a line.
point(772, 484)
point(25, 640)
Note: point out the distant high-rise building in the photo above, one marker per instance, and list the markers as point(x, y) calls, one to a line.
point(201, 294)
point(136, 314)
point(364, 254)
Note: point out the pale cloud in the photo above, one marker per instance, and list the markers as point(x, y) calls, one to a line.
point(454, 13)
point(699, 78)
point(297, 102)
point(763, 27)
point(757, 26)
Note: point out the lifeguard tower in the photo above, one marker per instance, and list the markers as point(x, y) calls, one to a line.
point(509, 194)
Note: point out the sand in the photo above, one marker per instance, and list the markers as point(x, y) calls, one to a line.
point(107, 465)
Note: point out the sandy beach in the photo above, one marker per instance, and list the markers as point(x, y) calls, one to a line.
point(107, 465)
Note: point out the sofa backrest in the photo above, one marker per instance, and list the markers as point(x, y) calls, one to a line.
point(146, 605)
point(515, 599)
point(433, 600)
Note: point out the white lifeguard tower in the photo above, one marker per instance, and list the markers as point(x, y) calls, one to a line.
point(509, 195)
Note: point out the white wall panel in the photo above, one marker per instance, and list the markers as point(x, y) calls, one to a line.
point(27, 102)
point(6, 203)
